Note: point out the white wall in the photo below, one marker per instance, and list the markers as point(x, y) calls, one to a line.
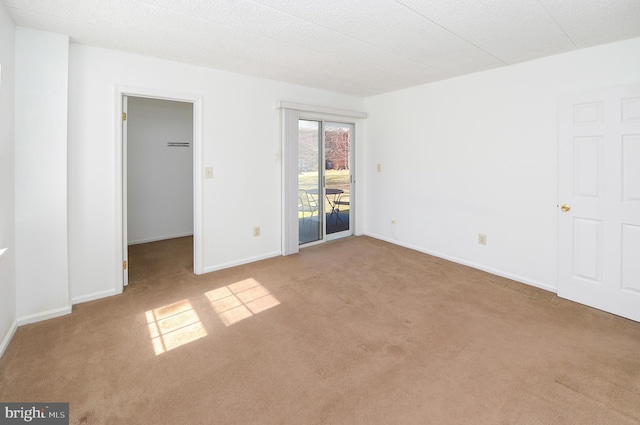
point(241, 141)
point(7, 261)
point(159, 177)
point(478, 154)
point(41, 174)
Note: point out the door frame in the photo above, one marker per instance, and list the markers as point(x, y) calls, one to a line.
point(289, 116)
point(120, 243)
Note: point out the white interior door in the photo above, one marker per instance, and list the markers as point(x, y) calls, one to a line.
point(125, 238)
point(599, 195)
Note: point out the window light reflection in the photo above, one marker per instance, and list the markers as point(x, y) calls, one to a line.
point(174, 325)
point(240, 300)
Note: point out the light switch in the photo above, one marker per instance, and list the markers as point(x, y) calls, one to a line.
point(208, 173)
point(379, 168)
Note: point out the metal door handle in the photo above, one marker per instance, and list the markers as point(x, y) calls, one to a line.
point(565, 207)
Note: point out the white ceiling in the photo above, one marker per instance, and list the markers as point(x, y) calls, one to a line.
point(360, 47)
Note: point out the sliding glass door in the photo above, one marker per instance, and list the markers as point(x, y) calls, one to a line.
point(310, 207)
point(338, 178)
point(325, 181)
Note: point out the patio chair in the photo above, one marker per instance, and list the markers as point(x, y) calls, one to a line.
point(307, 204)
point(342, 200)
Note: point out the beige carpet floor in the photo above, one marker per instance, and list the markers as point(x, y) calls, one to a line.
point(356, 331)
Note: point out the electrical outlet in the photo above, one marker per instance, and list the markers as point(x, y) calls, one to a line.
point(482, 239)
point(256, 231)
point(379, 168)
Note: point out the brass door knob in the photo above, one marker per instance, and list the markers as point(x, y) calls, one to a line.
point(565, 207)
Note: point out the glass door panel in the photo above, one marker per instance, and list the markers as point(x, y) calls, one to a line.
point(310, 190)
point(337, 153)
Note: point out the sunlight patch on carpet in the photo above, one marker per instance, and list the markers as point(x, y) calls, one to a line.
point(236, 302)
point(174, 325)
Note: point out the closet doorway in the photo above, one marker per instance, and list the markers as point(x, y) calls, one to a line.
point(158, 176)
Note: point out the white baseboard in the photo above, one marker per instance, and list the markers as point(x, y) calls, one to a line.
point(496, 272)
point(241, 262)
point(93, 296)
point(45, 315)
point(160, 238)
point(7, 338)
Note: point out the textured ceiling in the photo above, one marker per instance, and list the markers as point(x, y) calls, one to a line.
point(360, 47)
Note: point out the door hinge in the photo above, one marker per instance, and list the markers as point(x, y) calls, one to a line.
point(124, 116)
point(124, 265)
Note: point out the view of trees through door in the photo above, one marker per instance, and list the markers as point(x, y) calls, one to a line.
point(324, 180)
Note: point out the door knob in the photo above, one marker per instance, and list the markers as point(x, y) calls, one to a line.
point(565, 207)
